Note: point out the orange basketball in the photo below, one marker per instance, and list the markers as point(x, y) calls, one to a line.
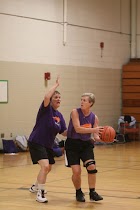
point(108, 134)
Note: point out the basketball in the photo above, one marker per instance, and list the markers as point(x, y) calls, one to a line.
point(108, 134)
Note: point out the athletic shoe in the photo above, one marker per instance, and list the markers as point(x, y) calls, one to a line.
point(40, 197)
point(34, 189)
point(95, 197)
point(80, 197)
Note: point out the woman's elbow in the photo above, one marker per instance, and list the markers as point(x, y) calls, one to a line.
point(78, 130)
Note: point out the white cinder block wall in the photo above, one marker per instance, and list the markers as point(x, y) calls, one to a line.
point(31, 43)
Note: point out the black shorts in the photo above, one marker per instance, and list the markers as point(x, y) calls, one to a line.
point(76, 150)
point(39, 152)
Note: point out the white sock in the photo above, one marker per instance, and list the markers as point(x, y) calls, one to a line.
point(41, 186)
point(36, 184)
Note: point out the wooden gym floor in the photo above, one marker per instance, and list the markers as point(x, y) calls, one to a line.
point(118, 181)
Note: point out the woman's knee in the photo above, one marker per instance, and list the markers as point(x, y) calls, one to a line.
point(76, 171)
point(46, 168)
point(44, 164)
point(91, 167)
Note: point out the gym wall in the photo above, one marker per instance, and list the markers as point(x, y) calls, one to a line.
point(33, 40)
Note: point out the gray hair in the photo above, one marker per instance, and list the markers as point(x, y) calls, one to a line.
point(91, 97)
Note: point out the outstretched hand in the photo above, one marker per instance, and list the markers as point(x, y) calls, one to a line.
point(58, 80)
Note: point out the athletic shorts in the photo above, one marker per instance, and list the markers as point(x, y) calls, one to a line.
point(76, 150)
point(39, 152)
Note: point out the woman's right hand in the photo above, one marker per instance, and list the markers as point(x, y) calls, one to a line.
point(98, 130)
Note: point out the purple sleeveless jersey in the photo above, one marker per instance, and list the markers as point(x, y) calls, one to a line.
point(86, 122)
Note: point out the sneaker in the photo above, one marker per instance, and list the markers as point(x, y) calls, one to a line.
point(40, 197)
point(95, 197)
point(34, 189)
point(80, 197)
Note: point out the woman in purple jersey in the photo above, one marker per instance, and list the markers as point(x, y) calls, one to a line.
point(83, 123)
point(49, 123)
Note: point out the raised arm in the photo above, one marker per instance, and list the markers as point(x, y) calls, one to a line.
point(49, 94)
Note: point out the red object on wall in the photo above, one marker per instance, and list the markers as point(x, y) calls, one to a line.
point(47, 76)
point(101, 45)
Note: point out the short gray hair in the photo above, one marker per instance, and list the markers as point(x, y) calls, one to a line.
point(91, 97)
point(55, 92)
